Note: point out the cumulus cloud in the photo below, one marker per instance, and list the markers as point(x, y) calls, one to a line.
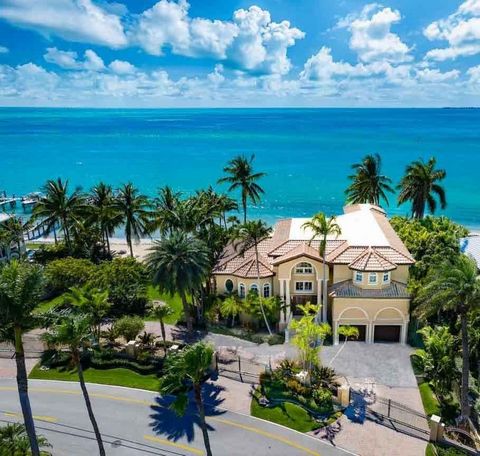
point(474, 74)
point(74, 20)
point(371, 35)
point(69, 60)
point(122, 67)
point(461, 30)
point(4, 50)
point(435, 75)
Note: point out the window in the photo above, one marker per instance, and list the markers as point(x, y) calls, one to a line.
point(372, 278)
point(358, 277)
point(254, 288)
point(304, 268)
point(266, 290)
point(228, 285)
point(304, 287)
point(386, 277)
point(241, 290)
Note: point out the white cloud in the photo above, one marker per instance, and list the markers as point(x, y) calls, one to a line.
point(69, 60)
point(474, 74)
point(321, 67)
point(4, 50)
point(122, 67)
point(435, 75)
point(461, 30)
point(371, 35)
point(75, 20)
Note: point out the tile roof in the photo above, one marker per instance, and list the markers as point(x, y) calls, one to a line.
point(249, 268)
point(371, 260)
point(302, 249)
point(348, 289)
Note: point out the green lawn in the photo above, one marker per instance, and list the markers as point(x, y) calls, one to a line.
point(430, 401)
point(118, 376)
point(289, 415)
point(173, 301)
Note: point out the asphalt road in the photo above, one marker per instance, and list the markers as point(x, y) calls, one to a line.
point(135, 422)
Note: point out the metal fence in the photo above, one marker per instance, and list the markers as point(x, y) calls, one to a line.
point(238, 368)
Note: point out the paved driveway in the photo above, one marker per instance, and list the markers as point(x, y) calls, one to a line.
point(383, 364)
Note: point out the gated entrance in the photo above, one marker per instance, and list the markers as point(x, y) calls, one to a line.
point(237, 368)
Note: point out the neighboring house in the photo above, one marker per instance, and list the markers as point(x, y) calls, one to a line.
point(8, 252)
point(470, 245)
point(367, 273)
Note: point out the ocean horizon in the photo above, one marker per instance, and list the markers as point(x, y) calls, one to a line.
point(307, 153)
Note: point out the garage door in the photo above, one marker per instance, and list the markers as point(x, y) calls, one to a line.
point(387, 333)
point(362, 333)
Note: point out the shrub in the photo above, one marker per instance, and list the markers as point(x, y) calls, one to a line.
point(296, 387)
point(322, 397)
point(68, 272)
point(129, 327)
point(47, 253)
point(126, 281)
point(324, 376)
point(264, 377)
point(276, 339)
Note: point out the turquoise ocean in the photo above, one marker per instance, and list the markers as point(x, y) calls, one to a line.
point(306, 153)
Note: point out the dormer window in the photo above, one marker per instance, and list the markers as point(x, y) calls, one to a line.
point(372, 278)
point(386, 277)
point(304, 268)
point(358, 277)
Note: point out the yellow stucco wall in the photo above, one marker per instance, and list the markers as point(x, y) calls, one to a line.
point(221, 279)
point(353, 310)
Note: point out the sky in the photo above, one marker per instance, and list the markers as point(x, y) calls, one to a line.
point(237, 53)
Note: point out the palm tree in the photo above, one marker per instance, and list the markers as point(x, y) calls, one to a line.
point(179, 264)
point(368, 184)
point(14, 441)
point(231, 306)
point(92, 302)
point(103, 212)
point(240, 175)
point(454, 286)
point(420, 186)
point(322, 227)
point(133, 208)
point(15, 228)
point(59, 207)
point(74, 332)
point(166, 205)
point(186, 371)
point(21, 287)
point(161, 312)
point(250, 234)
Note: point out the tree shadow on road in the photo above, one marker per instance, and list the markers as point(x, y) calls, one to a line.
point(167, 423)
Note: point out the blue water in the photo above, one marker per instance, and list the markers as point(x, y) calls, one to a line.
point(306, 153)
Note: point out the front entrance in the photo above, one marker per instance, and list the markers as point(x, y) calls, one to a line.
point(387, 333)
point(362, 333)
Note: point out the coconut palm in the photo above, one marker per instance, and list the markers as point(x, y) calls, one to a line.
point(179, 264)
point(134, 213)
point(368, 184)
point(14, 228)
point(420, 186)
point(187, 371)
point(454, 286)
point(161, 312)
point(74, 332)
point(166, 205)
point(240, 175)
point(21, 287)
point(103, 211)
point(250, 234)
point(14, 441)
point(322, 227)
point(58, 207)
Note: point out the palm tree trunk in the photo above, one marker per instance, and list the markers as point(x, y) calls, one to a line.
point(186, 311)
point(244, 204)
point(164, 336)
point(324, 291)
point(201, 412)
point(98, 436)
point(107, 240)
point(259, 291)
point(464, 406)
point(55, 234)
point(22, 385)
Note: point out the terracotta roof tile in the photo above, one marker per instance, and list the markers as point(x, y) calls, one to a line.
point(371, 260)
point(348, 289)
point(302, 249)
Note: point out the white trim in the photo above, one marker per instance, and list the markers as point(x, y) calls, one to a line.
point(309, 265)
point(310, 292)
point(254, 286)
point(351, 308)
point(225, 286)
point(372, 274)
point(240, 286)
point(266, 285)
point(315, 272)
point(375, 318)
point(355, 276)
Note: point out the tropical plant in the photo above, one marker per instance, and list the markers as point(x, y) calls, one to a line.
point(348, 332)
point(14, 441)
point(63, 274)
point(58, 207)
point(309, 335)
point(161, 312)
point(74, 332)
point(368, 184)
point(231, 306)
point(438, 358)
point(321, 228)
point(166, 210)
point(21, 287)
point(420, 186)
point(240, 175)
point(147, 339)
point(186, 371)
point(179, 264)
point(91, 302)
point(129, 327)
point(454, 286)
point(14, 229)
point(250, 234)
point(134, 213)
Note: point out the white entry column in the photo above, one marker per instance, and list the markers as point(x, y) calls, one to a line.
point(335, 332)
point(319, 291)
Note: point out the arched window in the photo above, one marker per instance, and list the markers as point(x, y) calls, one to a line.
point(254, 288)
point(266, 290)
point(228, 285)
point(241, 290)
point(358, 276)
point(303, 268)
